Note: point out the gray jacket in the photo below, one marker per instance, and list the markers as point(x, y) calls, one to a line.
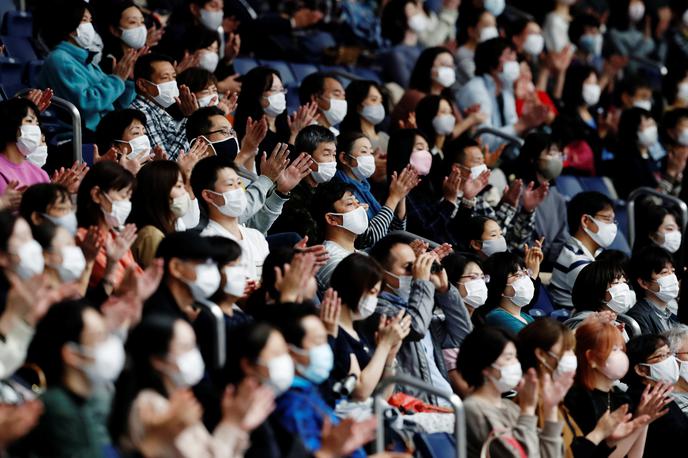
point(264, 205)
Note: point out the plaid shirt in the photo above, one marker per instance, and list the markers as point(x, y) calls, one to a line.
point(517, 228)
point(162, 129)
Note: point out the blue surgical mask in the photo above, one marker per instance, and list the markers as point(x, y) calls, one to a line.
point(321, 360)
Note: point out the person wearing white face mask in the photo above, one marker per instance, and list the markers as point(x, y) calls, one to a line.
point(436, 120)
point(125, 130)
point(49, 202)
point(327, 91)
point(478, 25)
point(72, 71)
point(677, 339)
point(675, 126)
point(652, 270)
point(365, 111)
point(419, 285)
point(489, 363)
point(511, 288)
point(21, 143)
point(660, 226)
point(357, 281)
point(127, 31)
point(222, 198)
point(64, 260)
point(626, 34)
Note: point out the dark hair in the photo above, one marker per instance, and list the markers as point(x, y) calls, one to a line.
point(619, 17)
point(499, 267)
point(324, 200)
point(353, 277)
point(313, 84)
point(572, 94)
point(455, 265)
point(468, 20)
point(346, 141)
point(651, 218)
point(670, 121)
point(670, 83)
point(455, 150)
point(277, 257)
point(185, 245)
point(401, 142)
point(248, 342)
point(542, 334)
point(107, 175)
point(421, 76)
point(629, 123)
point(199, 37)
point(578, 25)
point(630, 85)
point(7, 222)
point(310, 137)
point(253, 85)
point(426, 110)
point(204, 176)
point(39, 197)
point(109, 14)
point(527, 162)
point(143, 69)
point(639, 349)
point(382, 250)
point(225, 250)
point(150, 202)
point(590, 287)
point(61, 19)
point(393, 20)
point(647, 261)
point(44, 234)
point(199, 122)
point(487, 55)
point(112, 126)
point(585, 203)
point(475, 227)
point(288, 319)
point(479, 351)
point(12, 112)
point(196, 78)
point(356, 92)
point(63, 324)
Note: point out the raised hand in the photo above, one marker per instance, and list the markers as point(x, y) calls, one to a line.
point(409, 122)
point(443, 251)
point(188, 61)
point(124, 68)
point(278, 161)
point(41, 98)
point(419, 247)
point(534, 197)
point(533, 257)
point(16, 421)
point(71, 178)
point(393, 332)
point(159, 154)
point(299, 169)
point(249, 405)
point(255, 134)
point(186, 101)
point(330, 309)
point(401, 184)
point(451, 186)
point(654, 400)
point(422, 266)
point(232, 47)
point(319, 251)
point(119, 244)
point(472, 188)
point(11, 196)
point(31, 299)
point(110, 155)
point(512, 193)
point(154, 36)
point(491, 157)
point(553, 392)
point(184, 411)
point(292, 279)
point(346, 437)
point(528, 392)
point(303, 117)
point(228, 103)
point(231, 84)
point(187, 161)
point(92, 243)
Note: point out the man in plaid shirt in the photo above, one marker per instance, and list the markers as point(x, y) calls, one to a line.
point(157, 90)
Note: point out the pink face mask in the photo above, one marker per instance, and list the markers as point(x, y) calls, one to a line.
point(421, 162)
point(616, 366)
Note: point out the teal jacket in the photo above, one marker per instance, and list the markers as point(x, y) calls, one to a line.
point(84, 84)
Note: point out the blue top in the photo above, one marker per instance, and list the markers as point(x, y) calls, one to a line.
point(70, 75)
point(301, 411)
point(362, 192)
point(505, 320)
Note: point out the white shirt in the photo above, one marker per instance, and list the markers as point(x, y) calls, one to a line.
point(337, 253)
point(254, 247)
point(572, 258)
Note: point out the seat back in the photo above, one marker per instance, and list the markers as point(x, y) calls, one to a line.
point(18, 24)
point(244, 64)
point(284, 70)
point(19, 48)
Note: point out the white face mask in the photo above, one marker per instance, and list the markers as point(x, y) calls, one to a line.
point(374, 114)
point(444, 124)
point(180, 205)
point(682, 93)
point(622, 298)
point(140, 147)
point(477, 171)
point(366, 307)
point(648, 136)
point(636, 11)
point(683, 369)
point(404, 288)
point(644, 104)
point(418, 22)
point(534, 44)
point(31, 261)
point(325, 172)
point(493, 246)
point(591, 94)
point(134, 37)
point(281, 373)
point(524, 290)
point(205, 101)
point(167, 92)
point(209, 61)
point(118, 213)
point(668, 288)
point(235, 281)
point(488, 33)
point(567, 363)
point(67, 221)
point(666, 371)
point(337, 111)
point(190, 369)
point(509, 377)
point(207, 281)
point(355, 221)
point(496, 7)
point(606, 233)
point(476, 292)
point(39, 156)
point(85, 34)
point(683, 137)
point(29, 139)
point(277, 103)
point(365, 167)
point(108, 361)
point(510, 72)
point(73, 264)
point(446, 76)
point(672, 241)
point(211, 19)
point(235, 202)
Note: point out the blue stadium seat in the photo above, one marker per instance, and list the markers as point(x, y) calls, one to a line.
point(595, 184)
point(301, 71)
point(33, 69)
point(337, 69)
point(18, 24)
point(11, 72)
point(283, 69)
point(19, 48)
point(293, 102)
point(244, 64)
point(568, 186)
point(367, 74)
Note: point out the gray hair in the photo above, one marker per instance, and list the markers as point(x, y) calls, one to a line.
point(676, 336)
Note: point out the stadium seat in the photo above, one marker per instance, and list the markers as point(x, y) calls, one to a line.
point(595, 184)
point(301, 71)
point(19, 48)
point(367, 74)
point(11, 71)
point(18, 24)
point(337, 70)
point(568, 186)
point(244, 64)
point(283, 68)
point(33, 69)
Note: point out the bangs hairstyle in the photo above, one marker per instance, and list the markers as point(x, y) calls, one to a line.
point(253, 85)
point(499, 266)
point(12, 112)
point(592, 283)
point(401, 142)
point(543, 334)
point(426, 110)
point(647, 261)
point(651, 218)
point(113, 125)
point(353, 277)
point(150, 202)
point(479, 351)
point(421, 76)
point(204, 176)
point(40, 197)
point(107, 175)
point(455, 264)
point(346, 142)
point(356, 93)
point(197, 79)
point(594, 343)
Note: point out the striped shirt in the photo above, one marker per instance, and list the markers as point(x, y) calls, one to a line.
point(573, 257)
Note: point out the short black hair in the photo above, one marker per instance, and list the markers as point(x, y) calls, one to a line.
point(647, 261)
point(186, 245)
point(106, 175)
point(353, 277)
point(455, 264)
point(499, 267)
point(421, 76)
point(578, 25)
point(59, 18)
point(323, 201)
point(143, 69)
point(479, 351)
point(345, 142)
point(591, 285)
point(39, 197)
point(401, 142)
point(638, 350)
point(199, 37)
point(12, 112)
point(393, 21)
point(426, 110)
point(288, 319)
point(487, 55)
point(650, 218)
point(112, 126)
point(356, 92)
point(586, 203)
point(7, 221)
point(199, 122)
point(225, 250)
point(196, 79)
point(572, 94)
point(629, 124)
point(455, 150)
point(475, 227)
point(381, 251)
point(204, 176)
point(310, 137)
point(630, 84)
point(313, 84)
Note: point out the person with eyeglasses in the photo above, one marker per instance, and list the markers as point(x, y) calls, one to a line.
point(592, 226)
point(677, 339)
point(654, 278)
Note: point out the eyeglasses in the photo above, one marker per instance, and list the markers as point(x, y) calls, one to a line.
point(277, 91)
point(521, 274)
point(472, 277)
point(605, 219)
point(227, 132)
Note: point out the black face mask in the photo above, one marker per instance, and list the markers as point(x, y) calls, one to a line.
point(227, 149)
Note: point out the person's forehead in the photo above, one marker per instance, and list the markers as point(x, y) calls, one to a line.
point(218, 122)
point(226, 173)
point(331, 84)
point(131, 13)
point(403, 253)
point(162, 66)
point(312, 326)
point(326, 146)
